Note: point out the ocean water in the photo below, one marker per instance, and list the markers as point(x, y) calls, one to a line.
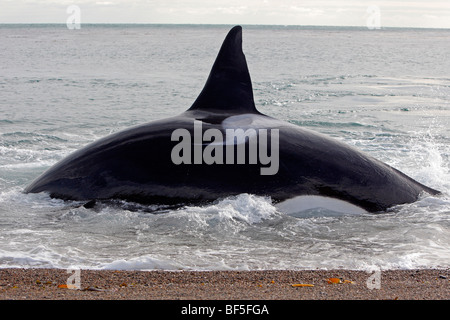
point(386, 92)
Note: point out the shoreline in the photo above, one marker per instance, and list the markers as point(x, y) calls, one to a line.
point(338, 284)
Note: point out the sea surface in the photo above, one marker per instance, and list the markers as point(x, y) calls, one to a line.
point(386, 92)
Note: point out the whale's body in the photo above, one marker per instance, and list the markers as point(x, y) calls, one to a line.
point(186, 158)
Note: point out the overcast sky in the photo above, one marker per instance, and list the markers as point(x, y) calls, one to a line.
point(400, 13)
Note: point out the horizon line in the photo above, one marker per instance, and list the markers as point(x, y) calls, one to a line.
point(224, 24)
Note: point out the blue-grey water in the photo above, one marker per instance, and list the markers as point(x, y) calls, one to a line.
point(386, 92)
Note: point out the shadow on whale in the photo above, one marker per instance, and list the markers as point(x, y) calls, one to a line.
point(223, 146)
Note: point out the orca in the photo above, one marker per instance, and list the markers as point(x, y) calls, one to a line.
point(218, 148)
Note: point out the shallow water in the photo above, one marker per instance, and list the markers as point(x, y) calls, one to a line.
point(384, 91)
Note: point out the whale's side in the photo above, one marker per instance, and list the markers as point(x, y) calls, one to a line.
point(139, 164)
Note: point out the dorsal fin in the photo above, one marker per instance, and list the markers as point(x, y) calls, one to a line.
point(229, 87)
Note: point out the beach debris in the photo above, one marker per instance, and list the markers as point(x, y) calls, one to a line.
point(302, 285)
point(67, 286)
point(93, 289)
point(334, 280)
point(338, 280)
point(347, 281)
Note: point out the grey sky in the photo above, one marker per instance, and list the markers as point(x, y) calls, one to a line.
point(429, 14)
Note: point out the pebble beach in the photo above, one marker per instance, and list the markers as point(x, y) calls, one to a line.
point(59, 284)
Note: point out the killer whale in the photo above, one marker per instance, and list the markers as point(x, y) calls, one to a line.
point(138, 165)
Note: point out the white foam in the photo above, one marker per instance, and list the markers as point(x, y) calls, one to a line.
point(34, 257)
point(246, 207)
point(146, 262)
